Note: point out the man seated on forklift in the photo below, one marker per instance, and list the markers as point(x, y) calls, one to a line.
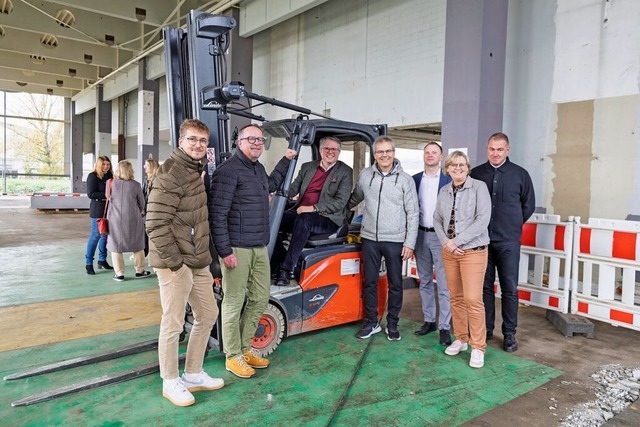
point(324, 187)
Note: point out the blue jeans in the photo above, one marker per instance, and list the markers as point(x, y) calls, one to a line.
point(96, 240)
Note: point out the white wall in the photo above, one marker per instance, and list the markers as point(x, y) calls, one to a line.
point(378, 61)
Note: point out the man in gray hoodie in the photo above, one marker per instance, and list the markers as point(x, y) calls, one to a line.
point(389, 229)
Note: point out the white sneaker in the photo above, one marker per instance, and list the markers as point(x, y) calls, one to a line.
point(201, 381)
point(177, 392)
point(477, 358)
point(456, 347)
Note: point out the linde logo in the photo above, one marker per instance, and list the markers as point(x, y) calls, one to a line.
point(316, 297)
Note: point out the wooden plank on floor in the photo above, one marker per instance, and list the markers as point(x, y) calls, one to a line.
point(56, 321)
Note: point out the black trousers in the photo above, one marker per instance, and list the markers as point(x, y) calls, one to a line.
point(505, 257)
point(301, 227)
point(372, 253)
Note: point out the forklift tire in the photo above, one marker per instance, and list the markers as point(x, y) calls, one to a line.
point(270, 331)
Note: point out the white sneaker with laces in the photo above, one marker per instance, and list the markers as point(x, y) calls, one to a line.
point(201, 381)
point(477, 358)
point(456, 347)
point(177, 392)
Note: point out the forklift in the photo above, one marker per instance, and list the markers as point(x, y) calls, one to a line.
point(328, 286)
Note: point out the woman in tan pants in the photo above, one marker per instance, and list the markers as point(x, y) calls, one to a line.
point(462, 215)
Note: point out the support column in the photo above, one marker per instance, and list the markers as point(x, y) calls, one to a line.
point(475, 44)
point(103, 125)
point(76, 148)
point(148, 116)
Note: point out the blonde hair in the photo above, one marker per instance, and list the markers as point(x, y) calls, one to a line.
point(98, 167)
point(452, 157)
point(153, 168)
point(124, 170)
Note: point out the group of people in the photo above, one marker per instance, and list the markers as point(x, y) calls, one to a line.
point(464, 222)
point(120, 199)
point(470, 225)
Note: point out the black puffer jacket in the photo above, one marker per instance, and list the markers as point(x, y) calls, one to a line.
point(97, 192)
point(239, 202)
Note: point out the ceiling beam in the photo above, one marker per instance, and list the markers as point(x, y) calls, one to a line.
point(55, 67)
point(156, 11)
point(69, 50)
point(88, 27)
point(13, 87)
point(47, 80)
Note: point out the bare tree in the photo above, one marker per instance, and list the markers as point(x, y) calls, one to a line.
point(38, 140)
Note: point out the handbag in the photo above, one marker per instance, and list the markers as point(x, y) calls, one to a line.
point(103, 223)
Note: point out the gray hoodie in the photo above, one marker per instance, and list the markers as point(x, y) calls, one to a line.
point(391, 205)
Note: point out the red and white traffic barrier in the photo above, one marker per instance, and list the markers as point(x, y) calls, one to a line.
point(546, 246)
point(60, 201)
point(607, 254)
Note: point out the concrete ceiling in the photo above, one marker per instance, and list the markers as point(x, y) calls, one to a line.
point(62, 46)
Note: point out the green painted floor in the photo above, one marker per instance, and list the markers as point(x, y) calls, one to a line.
point(316, 379)
point(47, 272)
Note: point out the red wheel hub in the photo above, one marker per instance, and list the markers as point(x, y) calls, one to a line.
point(265, 333)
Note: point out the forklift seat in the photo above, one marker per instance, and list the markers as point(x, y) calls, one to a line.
point(339, 236)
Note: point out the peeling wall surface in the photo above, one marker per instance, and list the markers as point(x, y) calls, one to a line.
point(615, 176)
point(597, 49)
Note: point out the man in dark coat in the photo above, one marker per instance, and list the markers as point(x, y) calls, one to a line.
point(178, 228)
point(512, 203)
point(239, 217)
point(324, 187)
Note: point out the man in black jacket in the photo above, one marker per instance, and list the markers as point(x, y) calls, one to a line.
point(239, 206)
point(512, 203)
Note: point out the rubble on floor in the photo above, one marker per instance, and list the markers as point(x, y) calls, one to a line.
point(617, 387)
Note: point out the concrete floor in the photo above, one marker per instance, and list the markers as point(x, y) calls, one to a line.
point(539, 340)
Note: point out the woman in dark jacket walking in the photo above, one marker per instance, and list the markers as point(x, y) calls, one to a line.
point(96, 191)
point(126, 221)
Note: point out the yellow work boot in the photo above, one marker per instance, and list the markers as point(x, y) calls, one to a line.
point(238, 367)
point(255, 360)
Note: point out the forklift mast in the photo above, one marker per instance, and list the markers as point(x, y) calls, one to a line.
point(195, 61)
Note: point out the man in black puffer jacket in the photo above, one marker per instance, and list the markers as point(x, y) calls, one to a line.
point(239, 216)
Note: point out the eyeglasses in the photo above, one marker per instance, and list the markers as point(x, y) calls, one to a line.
point(193, 140)
point(255, 140)
point(330, 150)
point(458, 165)
point(381, 152)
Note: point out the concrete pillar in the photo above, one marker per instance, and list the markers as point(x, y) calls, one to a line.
point(474, 62)
point(148, 116)
point(103, 125)
point(78, 185)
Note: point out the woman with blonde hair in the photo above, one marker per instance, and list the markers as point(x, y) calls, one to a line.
point(126, 221)
point(462, 215)
point(96, 191)
point(150, 168)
